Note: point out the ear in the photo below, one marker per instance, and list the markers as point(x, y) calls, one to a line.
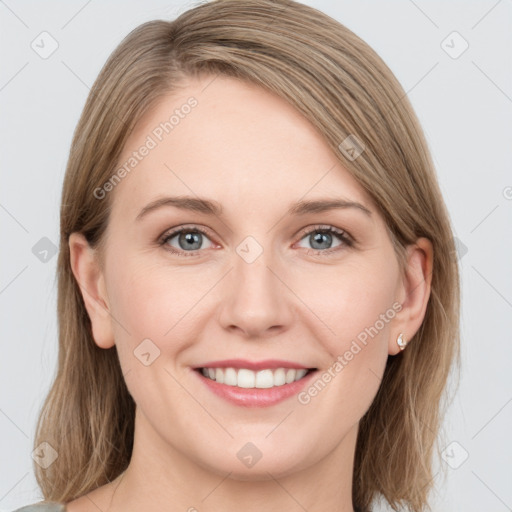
point(89, 276)
point(413, 292)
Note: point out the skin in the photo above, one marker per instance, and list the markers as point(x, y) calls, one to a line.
point(254, 154)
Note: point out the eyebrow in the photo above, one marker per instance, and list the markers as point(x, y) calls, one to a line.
point(210, 207)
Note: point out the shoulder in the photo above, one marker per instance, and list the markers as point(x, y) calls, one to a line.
point(43, 507)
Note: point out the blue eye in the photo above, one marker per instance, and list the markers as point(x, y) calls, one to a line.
point(190, 240)
point(322, 236)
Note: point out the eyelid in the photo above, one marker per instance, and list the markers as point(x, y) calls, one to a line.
point(183, 227)
point(325, 227)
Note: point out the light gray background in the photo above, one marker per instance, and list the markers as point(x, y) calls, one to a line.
point(465, 107)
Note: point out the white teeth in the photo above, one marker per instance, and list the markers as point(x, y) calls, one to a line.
point(230, 377)
point(290, 376)
point(279, 377)
point(300, 373)
point(244, 378)
point(264, 379)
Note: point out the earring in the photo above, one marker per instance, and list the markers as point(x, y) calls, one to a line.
point(401, 341)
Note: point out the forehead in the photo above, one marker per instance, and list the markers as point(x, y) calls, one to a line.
point(222, 138)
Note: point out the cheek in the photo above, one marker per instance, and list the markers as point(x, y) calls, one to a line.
point(359, 311)
point(354, 302)
point(156, 302)
point(153, 312)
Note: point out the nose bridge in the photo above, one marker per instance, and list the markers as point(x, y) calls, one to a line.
point(253, 276)
point(255, 301)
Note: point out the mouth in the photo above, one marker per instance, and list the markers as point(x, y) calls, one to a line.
point(244, 378)
point(244, 387)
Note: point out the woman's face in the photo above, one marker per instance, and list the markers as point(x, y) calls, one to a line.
point(253, 277)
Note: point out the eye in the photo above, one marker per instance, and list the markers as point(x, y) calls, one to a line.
point(188, 240)
point(321, 239)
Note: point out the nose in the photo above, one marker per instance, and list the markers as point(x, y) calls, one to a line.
point(256, 302)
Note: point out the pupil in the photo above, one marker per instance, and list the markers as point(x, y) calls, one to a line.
point(191, 239)
point(318, 239)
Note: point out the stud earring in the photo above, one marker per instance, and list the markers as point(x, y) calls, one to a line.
point(401, 341)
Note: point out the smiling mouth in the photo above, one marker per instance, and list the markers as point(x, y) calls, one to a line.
point(248, 379)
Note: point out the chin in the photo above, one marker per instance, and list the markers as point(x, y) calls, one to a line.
point(265, 468)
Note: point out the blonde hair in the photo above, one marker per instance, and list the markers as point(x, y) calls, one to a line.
point(344, 89)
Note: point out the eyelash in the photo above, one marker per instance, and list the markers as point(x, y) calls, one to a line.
point(343, 236)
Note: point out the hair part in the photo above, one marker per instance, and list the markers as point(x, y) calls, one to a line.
point(343, 88)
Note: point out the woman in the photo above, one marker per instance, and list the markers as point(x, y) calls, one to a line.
point(258, 284)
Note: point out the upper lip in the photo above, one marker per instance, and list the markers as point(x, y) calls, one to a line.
point(252, 365)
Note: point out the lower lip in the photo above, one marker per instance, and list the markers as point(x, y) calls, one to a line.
point(256, 397)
